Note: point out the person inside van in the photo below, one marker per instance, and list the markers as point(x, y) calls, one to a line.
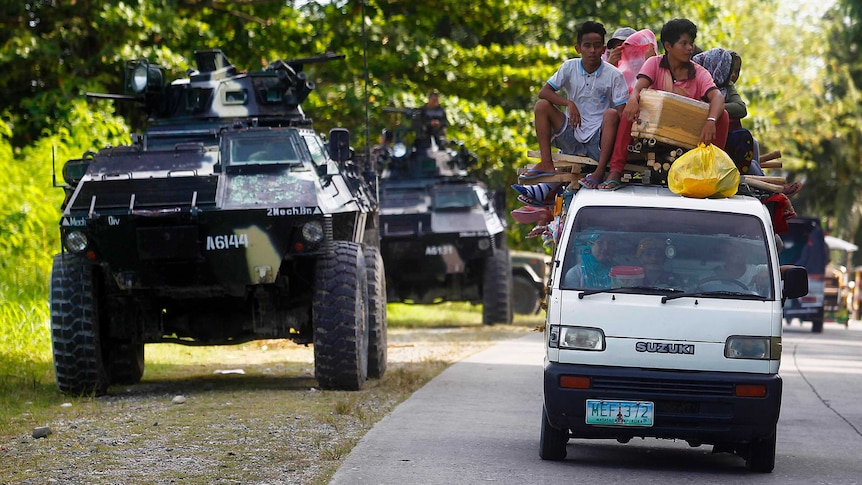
point(652, 256)
point(736, 274)
point(595, 264)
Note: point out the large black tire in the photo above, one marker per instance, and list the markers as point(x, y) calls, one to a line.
point(125, 361)
point(761, 455)
point(497, 288)
point(817, 326)
point(75, 334)
point(340, 319)
point(377, 325)
point(553, 441)
point(526, 297)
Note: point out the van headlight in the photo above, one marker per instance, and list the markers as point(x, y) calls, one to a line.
point(757, 348)
point(576, 338)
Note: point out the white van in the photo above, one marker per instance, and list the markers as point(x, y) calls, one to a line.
point(664, 320)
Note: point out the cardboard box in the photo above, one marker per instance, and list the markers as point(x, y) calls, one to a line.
point(670, 118)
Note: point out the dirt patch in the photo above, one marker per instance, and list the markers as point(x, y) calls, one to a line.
point(246, 414)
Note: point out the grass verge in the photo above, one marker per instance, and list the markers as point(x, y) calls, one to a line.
point(268, 423)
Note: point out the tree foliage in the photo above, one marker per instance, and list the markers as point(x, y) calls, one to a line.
point(488, 58)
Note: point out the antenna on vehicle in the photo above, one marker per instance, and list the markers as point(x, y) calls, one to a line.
point(365, 76)
point(53, 166)
point(369, 164)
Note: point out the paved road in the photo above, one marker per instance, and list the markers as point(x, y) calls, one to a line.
point(478, 422)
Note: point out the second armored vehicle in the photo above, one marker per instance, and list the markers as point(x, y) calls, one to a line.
point(228, 220)
point(443, 236)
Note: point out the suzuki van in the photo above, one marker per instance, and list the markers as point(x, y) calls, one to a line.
point(664, 320)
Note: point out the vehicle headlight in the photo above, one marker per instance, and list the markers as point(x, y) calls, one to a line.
point(138, 81)
point(312, 232)
point(75, 241)
point(576, 338)
point(399, 150)
point(757, 348)
point(143, 77)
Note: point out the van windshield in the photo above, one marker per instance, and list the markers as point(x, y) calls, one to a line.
point(649, 250)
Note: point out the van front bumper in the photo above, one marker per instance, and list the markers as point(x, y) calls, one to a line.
point(699, 407)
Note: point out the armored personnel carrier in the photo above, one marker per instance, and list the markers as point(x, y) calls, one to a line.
point(227, 220)
point(441, 229)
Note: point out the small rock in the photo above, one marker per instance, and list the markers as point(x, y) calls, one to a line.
point(179, 399)
point(41, 432)
point(156, 423)
point(66, 405)
point(229, 371)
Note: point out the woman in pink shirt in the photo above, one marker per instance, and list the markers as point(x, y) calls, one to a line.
point(673, 72)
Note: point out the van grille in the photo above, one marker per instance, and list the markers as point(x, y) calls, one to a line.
point(670, 386)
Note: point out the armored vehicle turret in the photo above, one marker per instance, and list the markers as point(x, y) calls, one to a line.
point(229, 219)
point(441, 228)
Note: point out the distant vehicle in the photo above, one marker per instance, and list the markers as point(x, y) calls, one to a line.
point(805, 245)
point(840, 285)
point(442, 232)
point(529, 278)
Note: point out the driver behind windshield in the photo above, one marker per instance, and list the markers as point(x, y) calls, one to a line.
point(735, 274)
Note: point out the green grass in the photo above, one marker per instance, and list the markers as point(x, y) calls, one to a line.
point(448, 314)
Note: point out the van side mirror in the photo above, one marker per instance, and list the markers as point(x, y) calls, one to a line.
point(795, 282)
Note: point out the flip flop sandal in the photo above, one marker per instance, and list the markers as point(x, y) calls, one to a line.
point(792, 189)
point(536, 192)
point(589, 183)
point(533, 203)
point(531, 215)
point(537, 231)
point(532, 174)
point(611, 185)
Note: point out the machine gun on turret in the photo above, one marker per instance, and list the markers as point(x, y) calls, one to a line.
point(412, 155)
point(276, 92)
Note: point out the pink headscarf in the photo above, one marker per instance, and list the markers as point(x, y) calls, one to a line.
point(635, 51)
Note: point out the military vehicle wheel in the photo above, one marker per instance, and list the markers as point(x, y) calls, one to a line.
point(340, 318)
point(525, 296)
point(75, 333)
point(376, 312)
point(125, 361)
point(552, 445)
point(497, 288)
point(761, 455)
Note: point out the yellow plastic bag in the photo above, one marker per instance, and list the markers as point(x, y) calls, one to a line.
point(704, 171)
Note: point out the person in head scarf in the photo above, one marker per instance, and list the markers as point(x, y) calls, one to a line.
point(719, 63)
point(596, 262)
point(636, 49)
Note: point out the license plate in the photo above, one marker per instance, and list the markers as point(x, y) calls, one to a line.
point(619, 413)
